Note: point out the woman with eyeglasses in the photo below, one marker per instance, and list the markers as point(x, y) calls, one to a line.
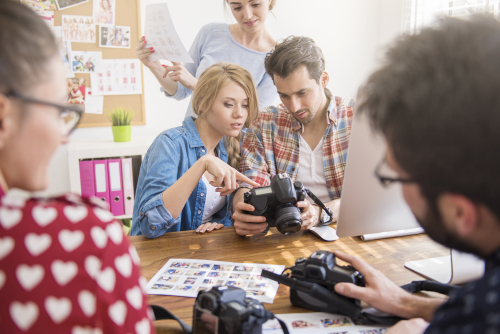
point(65, 264)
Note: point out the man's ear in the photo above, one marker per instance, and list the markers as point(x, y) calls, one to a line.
point(324, 79)
point(459, 212)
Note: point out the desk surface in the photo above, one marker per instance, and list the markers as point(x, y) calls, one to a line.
point(386, 255)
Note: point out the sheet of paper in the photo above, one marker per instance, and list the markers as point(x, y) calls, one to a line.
point(161, 35)
point(47, 16)
point(86, 61)
point(93, 103)
point(38, 5)
point(64, 51)
point(319, 323)
point(114, 36)
point(185, 277)
point(78, 28)
point(118, 77)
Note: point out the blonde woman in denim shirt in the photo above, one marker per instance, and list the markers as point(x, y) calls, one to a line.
point(189, 171)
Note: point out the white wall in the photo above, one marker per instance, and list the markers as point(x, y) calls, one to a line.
point(350, 33)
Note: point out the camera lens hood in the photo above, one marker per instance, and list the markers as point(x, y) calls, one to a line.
point(288, 219)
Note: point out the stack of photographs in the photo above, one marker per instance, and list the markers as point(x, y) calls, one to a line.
point(183, 277)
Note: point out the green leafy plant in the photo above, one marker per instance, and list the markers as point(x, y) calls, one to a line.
point(120, 116)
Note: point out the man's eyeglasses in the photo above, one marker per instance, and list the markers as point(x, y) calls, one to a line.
point(386, 180)
point(70, 114)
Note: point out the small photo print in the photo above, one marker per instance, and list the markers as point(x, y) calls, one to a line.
point(180, 265)
point(251, 293)
point(170, 279)
point(218, 267)
point(104, 11)
point(159, 286)
point(239, 276)
point(303, 324)
point(258, 278)
point(174, 272)
point(76, 90)
point(114, 36)
point(63, 4)
point(373, 331)
point(190, 280)
point(86, 61)
point(78, 28)
point(184, 288)
point(217, 274)
point(258, 285)
point(40, 5)
point(213, 281)
point(238, 284)
point(336, 322)
point(196, 273)
point(258, 271)
point(243, 268)
point(194, 265)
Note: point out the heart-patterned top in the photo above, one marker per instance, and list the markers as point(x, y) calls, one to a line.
point(66, 267)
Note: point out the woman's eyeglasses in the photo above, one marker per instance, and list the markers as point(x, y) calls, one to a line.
point(70, 115)
point(382, 172)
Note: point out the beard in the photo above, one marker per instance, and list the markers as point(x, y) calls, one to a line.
point(304, 120)
point(433, 225)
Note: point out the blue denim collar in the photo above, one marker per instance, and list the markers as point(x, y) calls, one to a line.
point(194, 137)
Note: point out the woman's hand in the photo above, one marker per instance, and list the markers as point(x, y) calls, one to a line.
point(209, 227)
point(143, 53)
point(225, 175)
point(178, 73)
point(309, 215)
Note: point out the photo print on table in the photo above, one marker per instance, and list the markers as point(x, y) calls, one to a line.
point(373, 331)
point(40, 5)
point(237, 284)
point(174, 272)
point(336, 322)
point(159, 286)
point(212, 281)
point(303, 324)
point(258, 285)
point(200, 266)
point(63, 4)
point(217, 274)
point(86, 61)
point(104, 11)
point(218, 267)
point(184, 288)
point(243, 269)
point(258, 278)
point(239, 276)
point(78, 28)
point(196, 273)
point(180, 265)
point(251, 293)
point(171, 279)
point(114, 36)
point(76, 90)
point(190, 280)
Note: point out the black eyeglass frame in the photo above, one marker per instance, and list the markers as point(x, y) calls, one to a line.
point(62, 108)
point(386, 180)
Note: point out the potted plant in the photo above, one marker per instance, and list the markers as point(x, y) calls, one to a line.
point(120, 117)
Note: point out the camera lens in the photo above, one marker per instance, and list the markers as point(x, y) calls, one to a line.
point(288, 219)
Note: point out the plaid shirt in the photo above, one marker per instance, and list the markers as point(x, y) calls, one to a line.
point(272, 144)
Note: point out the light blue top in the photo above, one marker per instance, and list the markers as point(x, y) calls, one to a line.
point(214, 44)
point(172, 153)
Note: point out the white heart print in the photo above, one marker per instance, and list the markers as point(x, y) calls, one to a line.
point(58, 308)
point(70, 240)
point(37, 244)
point(123, 265)
point(75, 213)
point(87, 300)
point(85, 330)
point(143, 326)
point(92, 265)
point(2, 279)
point(134, 297)
point(29, 276)
point(13, 200)
point(104, 215)
point(106, 279)
point(43, 216)
point(23, 315)
point(134, 255)
point(117, 312)
point(115, 232)
point(143, 282)
point(6, 246)
point(63, 272)
point(99, 236)
point(10, 217)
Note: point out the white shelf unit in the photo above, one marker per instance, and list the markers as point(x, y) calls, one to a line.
point(95, 149)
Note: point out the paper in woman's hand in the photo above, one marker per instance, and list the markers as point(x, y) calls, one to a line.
point(161, 35)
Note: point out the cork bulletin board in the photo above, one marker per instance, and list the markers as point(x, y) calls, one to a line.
point(127, 13)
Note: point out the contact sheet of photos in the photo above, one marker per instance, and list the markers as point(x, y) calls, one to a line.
point(183, 277)
point(319, 323)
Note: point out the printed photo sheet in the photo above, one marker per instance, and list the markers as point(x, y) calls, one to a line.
point(40, 5)
point(78, 28)
point(183, 277)
point(63, 4)
point(319, 323)
point(118, 77)
point(161, 35)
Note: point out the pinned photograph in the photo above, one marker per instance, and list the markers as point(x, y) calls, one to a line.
point(86, 61)
point(159, 286)
point(170, 279)
point(219, 267)
point(76, 90)
point(244, 269)
point(238, 284)
point(78, 28)
point(239, 276)
point(190, 280)
point(213, 281)
point(63, 4)
point(339, 322)
point(174, 272)
point(180, 265)
point(40, 5)
point(196, 273)
point(201, 265)
point(217, 274)
point(184, 288)
point(104, 11)
point(258, 285)
point(114, 36)
point(64, 51)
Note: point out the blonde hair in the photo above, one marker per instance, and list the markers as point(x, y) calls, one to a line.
point(210, 83)
point(272, 3)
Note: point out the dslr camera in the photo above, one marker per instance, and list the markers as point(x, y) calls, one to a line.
point(312, 283)
point(277, 203)
point(227, 310)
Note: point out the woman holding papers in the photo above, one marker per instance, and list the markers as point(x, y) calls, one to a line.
point(65, 264)
point(188, 171)
point(244, 43)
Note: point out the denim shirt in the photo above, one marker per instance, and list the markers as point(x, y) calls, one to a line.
point(172, 153)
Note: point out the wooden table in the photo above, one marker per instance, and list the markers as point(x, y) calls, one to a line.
point(386, 255)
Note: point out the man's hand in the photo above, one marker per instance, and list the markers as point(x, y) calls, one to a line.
point(244, 223)
point(382, 294)
point(413, 326)
point(310, 214)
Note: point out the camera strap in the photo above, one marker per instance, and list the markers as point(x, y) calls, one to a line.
point(163, 314)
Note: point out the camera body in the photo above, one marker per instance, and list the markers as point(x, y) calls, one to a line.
point(277, 202)
point(227, 310)
point(322, 269)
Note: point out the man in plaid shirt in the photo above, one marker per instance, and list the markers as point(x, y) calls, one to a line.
point(310, 124)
